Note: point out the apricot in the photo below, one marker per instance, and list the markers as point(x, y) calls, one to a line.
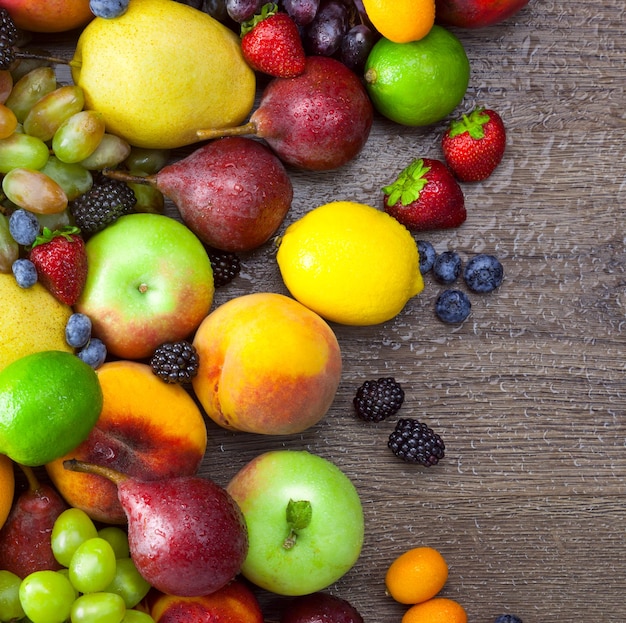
point(235, 603)
point(147, 429)
point(268, 365)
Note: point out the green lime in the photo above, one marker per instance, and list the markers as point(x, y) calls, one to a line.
point(49, 402)
point(420, 82)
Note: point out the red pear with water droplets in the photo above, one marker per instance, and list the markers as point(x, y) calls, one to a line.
point(187, 536)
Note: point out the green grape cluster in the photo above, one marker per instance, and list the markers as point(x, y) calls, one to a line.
point(51, 150)
point(98, 581)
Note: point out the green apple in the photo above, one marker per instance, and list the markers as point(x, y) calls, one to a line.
point(305, 521)
point(149, 281)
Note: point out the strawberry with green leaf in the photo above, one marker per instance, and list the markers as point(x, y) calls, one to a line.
point(425, 196)
point(61, 262)
point(474, 145)
point(271, 43)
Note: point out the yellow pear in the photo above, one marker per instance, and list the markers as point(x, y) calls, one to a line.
point(32, 321)
point(162, 71)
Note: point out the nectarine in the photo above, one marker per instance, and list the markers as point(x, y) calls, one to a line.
point(268, 365)
point(49, 16)
point(147, 429)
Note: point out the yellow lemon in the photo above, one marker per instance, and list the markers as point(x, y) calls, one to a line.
point(32, 320)
point(350, 263)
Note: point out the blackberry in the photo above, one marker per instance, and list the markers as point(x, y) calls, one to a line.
point(415, 442)
point(8, 29)
point(507, 618)
point(175, 362)
point(226, 266)
point(376, 400)
point(102, 205)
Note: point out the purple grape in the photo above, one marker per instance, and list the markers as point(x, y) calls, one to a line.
point(356, 46)
point(324, 34)
point(216, 9)
point(301, 12)
point(242, 10)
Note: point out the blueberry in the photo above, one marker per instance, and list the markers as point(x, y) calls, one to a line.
point(78, 330)
point(108, 9)
point(24, 272)
point(94, 353)
point(24, 227)
point(483, 273)
point(452, 306)
point(427, 255)
point(507, 618)
point(447, 267)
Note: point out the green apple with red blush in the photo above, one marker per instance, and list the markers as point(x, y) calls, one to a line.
point(304, 518)
point(149, 281)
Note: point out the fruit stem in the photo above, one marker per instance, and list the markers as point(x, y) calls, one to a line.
point(122, 176)
point(42, 57)
point(298, 515)
point(240, 130)
point(33, 483)
point(74, 465)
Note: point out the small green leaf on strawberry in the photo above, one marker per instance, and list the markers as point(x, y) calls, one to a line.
point(474, 145)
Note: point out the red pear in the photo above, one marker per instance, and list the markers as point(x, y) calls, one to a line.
point(187, 536)
point(317, 121)
point(233, 193)
point(25, 537)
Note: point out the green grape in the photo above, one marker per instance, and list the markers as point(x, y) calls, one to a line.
point(48, 113)
point(137, 616)
point(8, 121)
point(128, 583)
point(54, 221)
point(71, 528)
point(98, 608)
point(118, 538)
point(93, 565)
point(34, 191)
point(9, 249)
point(47, 597)
point(66, 573)
point(29, 89)
point(111, 151)
point(147, 160)
point(78, 136)
point(6, 84)
point(23, 151)
point(73, 178)
point(149, 198)
point(10, 606)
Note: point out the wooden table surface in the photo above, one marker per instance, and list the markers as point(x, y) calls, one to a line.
point(529, 393)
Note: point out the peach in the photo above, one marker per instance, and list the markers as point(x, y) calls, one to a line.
point(49, 16)
point(268, 365)
point(235, 603)
point(147, 429)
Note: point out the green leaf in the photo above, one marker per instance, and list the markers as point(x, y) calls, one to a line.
point(473, 124)
point(409, 185)
point(298, 515)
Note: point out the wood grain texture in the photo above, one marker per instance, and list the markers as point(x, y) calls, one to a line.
point(529, 393)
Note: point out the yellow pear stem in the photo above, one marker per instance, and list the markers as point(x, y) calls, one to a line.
point(240, 130)
point(74, 465)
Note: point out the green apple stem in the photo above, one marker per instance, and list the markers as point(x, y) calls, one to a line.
point(240, 130)
point(74, 465)
point(298, 518)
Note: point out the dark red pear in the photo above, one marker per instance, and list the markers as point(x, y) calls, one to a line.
point(320, 608)
point(187, 536)
point(25, 537)
point(317, 121)
point(233, 193)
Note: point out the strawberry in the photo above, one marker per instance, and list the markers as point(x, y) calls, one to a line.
point(474, 145)
point(61, 262)
point(271, 43)
point(425, 196)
